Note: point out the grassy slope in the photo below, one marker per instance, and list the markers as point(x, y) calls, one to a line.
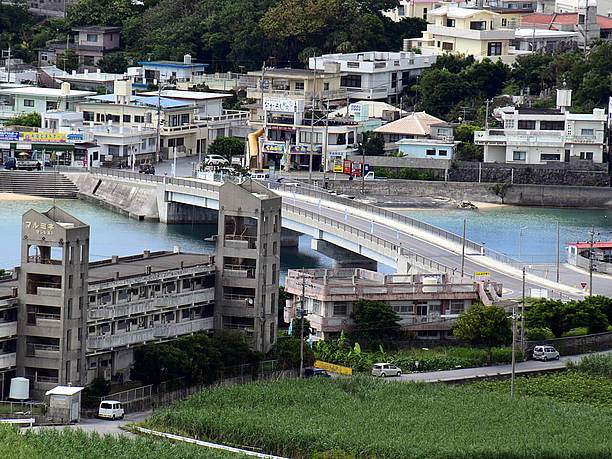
point(51, 444)
point(369, 417)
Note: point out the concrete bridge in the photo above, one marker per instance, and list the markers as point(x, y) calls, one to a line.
point(352, 232)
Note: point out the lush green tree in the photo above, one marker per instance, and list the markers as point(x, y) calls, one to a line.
point(485, 326)
point(467, 150)
point(287, 351)
point(68, 60)
point(226, 147)
point(102, 12)
point(375, 321)
point(205, 358)
point(486, 78)
point(454, 63)
point(372, 144)
point(159, 362)
point(585, 314)
point(15, 21)
point(530, 71)
point(31, 119)
point(234, 350)
point(113, 63)
point(547, 314)
point(296, 327)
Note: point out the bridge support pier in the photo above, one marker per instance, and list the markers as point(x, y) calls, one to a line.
point(175, 212)
point(289, 238)
point(343, 258)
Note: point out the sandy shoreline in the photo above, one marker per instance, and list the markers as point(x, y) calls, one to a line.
point(21, 197)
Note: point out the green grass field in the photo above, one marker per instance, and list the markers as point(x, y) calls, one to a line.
point(367, 417)
point(52, 444)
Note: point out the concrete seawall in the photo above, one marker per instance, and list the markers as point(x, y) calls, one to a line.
point(393, 192)
point(136, 201)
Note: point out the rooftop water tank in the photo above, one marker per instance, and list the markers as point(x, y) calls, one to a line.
point(20, 389)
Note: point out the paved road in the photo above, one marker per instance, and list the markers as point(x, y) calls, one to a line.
point(102, 426)
point(496, 370)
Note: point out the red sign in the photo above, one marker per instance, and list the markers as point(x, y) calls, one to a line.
point(583, 284)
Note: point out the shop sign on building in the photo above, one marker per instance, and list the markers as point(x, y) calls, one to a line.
point(9, 136)
point(75, 137)
point(305, 149)
point(273, 148)
point(51, 137)
point(282, 105)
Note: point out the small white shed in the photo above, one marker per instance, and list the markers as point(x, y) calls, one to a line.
point(64, 403)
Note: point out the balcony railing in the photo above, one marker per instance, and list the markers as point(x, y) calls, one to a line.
point(8, 329)
point(239, 271)
point(8, 360)
point(44, 261)
point(149, 334)
point(240, 242)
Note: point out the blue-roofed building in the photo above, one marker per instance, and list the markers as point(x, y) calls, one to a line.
point(155, 72)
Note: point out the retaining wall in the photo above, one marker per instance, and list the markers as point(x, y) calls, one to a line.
point(393, 191)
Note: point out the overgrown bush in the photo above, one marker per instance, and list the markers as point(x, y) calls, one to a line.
point(596, 364)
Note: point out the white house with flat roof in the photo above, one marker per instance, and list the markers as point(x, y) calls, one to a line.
point(22, 100)
point(374, 75)
point(167, 71)
point(543, 135)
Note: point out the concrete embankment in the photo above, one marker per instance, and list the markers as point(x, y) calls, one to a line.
point(137, 201)
point(406, 193)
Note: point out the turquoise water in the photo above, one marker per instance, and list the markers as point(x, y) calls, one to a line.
point(114, 234)
point(499, 227)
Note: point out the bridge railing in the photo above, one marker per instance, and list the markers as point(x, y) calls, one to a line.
point(380, 241)
point(154, 178)
point(320, 193)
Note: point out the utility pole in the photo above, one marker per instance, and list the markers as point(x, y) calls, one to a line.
point(8, 63)
point(302, 323)
point(260, 159)
point(463, 250)
point(513, 348)
point(557, 252)
point(523, 316)
point(591, 263)
point(487, 115)
point(325, 143)
point(158, 151)
point(314, 88)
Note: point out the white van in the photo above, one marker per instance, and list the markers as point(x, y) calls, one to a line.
point(110, 409)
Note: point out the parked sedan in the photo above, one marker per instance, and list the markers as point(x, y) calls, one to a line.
point(385, 369)
point(315, 372)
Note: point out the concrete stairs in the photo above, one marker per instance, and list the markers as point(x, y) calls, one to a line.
point(37, 183)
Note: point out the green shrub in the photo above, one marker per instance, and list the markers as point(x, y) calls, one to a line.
point(595, 364)
point(539, 333)
point(578, 331)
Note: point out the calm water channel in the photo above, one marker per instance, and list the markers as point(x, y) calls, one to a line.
point(498, 228)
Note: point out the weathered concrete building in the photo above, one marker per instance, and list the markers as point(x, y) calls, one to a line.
point(248, 259)
point(427, 304)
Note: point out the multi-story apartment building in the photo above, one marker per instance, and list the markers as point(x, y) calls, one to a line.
point(21, 100)
point(539, 135)
point(248, 260)
point(426, 303)
point(374, 75)
point(188, 121)
point(465, 31)
point(65, 320)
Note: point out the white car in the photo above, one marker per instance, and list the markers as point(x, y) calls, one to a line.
point(545, 353)
point(385, 369)
point(215, 160)
point(110, 409)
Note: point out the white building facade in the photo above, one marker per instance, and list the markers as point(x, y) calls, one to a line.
point(374, 75)
point(540, 136)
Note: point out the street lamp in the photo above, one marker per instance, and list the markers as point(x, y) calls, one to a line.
point(520, 240)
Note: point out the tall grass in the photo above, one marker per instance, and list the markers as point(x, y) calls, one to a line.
point(596, 364)
point(69, 444)
point(368, 417)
